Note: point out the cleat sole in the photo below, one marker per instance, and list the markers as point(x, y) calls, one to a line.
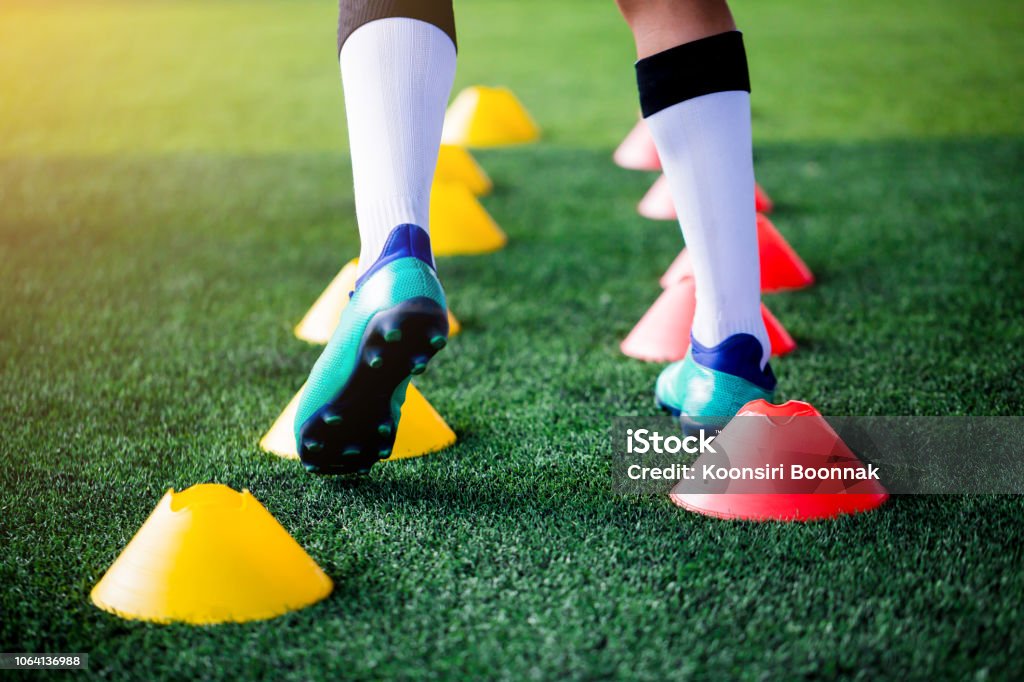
point(356, 427)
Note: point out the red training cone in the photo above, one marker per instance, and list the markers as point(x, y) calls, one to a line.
point(778, 440)
point(779, 339)
point(762, 202)
point(781, 267)
point(663, 333)
point(637, 151)
point(657, 203)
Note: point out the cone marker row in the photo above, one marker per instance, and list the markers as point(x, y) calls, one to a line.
point(796, 431)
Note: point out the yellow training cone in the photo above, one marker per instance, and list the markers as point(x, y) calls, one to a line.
point(455, 164)
point(210, 555)
point(420, 432)
point(488, 117)
point(454, 326)
point(319, 322)
point(459, 225)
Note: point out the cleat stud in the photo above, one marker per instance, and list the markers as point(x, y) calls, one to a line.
point(332, 418)
point(384, 453)
point(375, 360)
point(393, 335)
point(419, 365)
point(311, 468)
point(349, 451)
point(364, 471)
point(438, 342)
point(312, 445)
point(384, 429)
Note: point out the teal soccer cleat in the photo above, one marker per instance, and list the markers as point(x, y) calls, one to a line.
point(395, 321)
point(710, 385)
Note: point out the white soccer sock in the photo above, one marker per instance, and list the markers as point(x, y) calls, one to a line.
point(397, 74)
point(707, 155)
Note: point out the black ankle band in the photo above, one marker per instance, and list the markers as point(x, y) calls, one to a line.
point(714, 64)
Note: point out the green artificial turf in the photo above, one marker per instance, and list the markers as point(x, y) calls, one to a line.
point(175, 192)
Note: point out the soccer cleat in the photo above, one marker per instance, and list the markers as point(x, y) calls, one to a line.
point(395, 321)
point(708, 386)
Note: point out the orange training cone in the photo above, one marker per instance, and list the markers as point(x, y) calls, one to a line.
point(459, 225)
point(678, 270)
point(778, 440)
point(487, 117)
point(455, 164)
point(781, 267)
point(637, 151)
point(657, 203)
point(420, 432)
point(318, 324)
point(663, 333)
point(210, 555)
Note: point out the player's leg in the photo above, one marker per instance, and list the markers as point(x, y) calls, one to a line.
point(397, 64)
point(695, 97)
